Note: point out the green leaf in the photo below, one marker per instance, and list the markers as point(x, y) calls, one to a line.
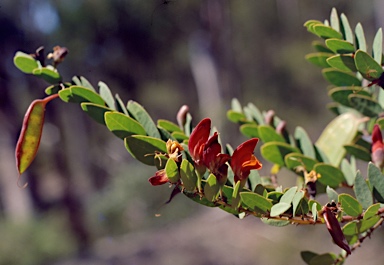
point(289, 195)
point(362, 191)
point(236, 117)
point(366, 105)
point(250, 130)
point(82, 81)
point(367, 66)
point(273, 222)
point(53, 89)
point(326, 32)
point(236, 199)
point(236, 106)
point(332, 195)
point(340, 46)
point(340, 94)
point(144, 148)
point(348, 171)
point(95, 111)
point(279, 209)
point(307, 256)
point(179, 136)
point(142, 116)
point(297, 201)
point(188, 176)
point(376, 179)
point(323, 259)
point(334, 19)
point(268, 134)
point(48, 74)
point(367, 224)
point(358, 152)
point(304, 142)
point(120, 105)
point(254, 179)
point(276, 151)
point(342, 62)
point(172, 171)
point(76, 94)
point(339, 132)
point(340, 78)
point(320, 47)
point(371, 211)
point(319, 59)
point(274, 196)
point(293, 160)
point(346, 29)
point(378, 46)
point(314, 209)
point(123, 126)
point(169, 126)
point(211, 188)
point(25, 62)
point(350, 205)
point(256, 202)
point(256, 114)
point(330, 175)
point(311, 23)
point(360, 38)
point(107, 96)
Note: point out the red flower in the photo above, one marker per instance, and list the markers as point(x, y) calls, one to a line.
point(197, 140)
point(214, 160)
point(243, 160)
point(159, 178)
point(377, 147)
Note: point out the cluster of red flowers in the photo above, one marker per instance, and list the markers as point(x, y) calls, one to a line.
point(205, 151)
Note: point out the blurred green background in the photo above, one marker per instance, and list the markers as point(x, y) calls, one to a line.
point(88, 201)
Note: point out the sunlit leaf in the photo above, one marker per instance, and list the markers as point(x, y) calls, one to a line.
point(169, 126)
point(123, 126)
point(342, 62)
point(172, 171)
point(145, 148)
point(141, 115)
point(332, 195)
point(95, 111)
point(256, 202)
point(360, 38)
point(326, 32)
point(319, 59)
point(211, 188)
point(340, 46)
point(48, 74)
point(340, 94)
point(376, 179)
point(371, 211)
point(107, 96)
point(330, 175)
point(268, 134)
point(346, 29)
point(276, 151)
point(279, 208)
point(25, 62)
point(350, 205)
point(250, 130)
point(378, 46)
point(367, 66)
point(366, 105)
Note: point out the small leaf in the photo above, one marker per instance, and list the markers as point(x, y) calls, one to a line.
point(305, 143)
point(276, 151)
point(120, 105)
point(250, 130)
point(236, 106)
point(169, 126)
point(350, 205)
point(376, 179)
point(268, 134)
point(172, 171)
point(323, 259)
point(366, 105)
point(334, 19)
point(367, 66)
point(144, 148)
point(289, 195)
point(297, 201)
point(254, 179)
point(340, 46)
point(142, 116)
point(274, 196)
point(314, 210)
point(95, 111)
point(371, 211)
point(320, 47)
point(326, 32)
point(340, 78)
point(330, 175)
point(348, 171)
point(293, 160)
point(346, 29)
point(25, 62)
point(279, 208)
point(360, 38)
point(319, 59)
point(340, 94)
point(107, 96)
point(358, 152)
point(378, 46)
point(307, 256)
point(332, 195)
point(211, 188)
point(48, 74)
point(256, 114)
point(273, 222)
point(179, 136)
point(123, 126)
point(188, 176)
point(342, 62)
point(256, 202)
point(235, 116)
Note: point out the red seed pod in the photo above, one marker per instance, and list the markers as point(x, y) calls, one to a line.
point(30, 135)
point(334, 229)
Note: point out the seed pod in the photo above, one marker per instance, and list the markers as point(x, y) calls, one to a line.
point(30, 135)
point(335, 229)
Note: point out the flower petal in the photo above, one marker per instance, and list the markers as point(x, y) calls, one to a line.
point(159, 178)
point(198, 137)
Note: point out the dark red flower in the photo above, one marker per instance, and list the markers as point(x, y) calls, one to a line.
point(243, 160)
point(214, 160)
point(197, 140)
point(159, 178)
point(377, 147)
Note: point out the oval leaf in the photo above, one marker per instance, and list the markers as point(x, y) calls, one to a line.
point(123, 126)
point(256, 202)
point(142, 116)
point(172, 171)
point(319, 59)
point(144, 148)
point(367, 66)
point(211, 188)
point(342, 62)
point(366, 105)
point(279, 208)
point(340, 46)
point(188, 176)
point(340, 78)
point(350, 205)
point(95, 111)
point(276, 151)
point(25, 62)
point(330, 175)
